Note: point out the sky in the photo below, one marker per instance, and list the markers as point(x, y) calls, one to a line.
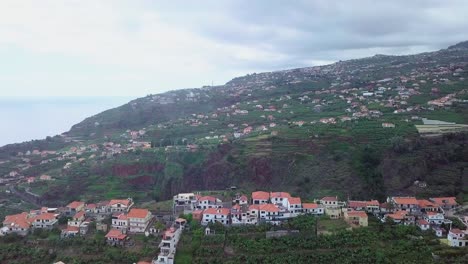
point(139, 47)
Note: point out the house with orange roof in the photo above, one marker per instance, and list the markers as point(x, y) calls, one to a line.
point(280, 198)
point(240, 199)
point(312, 208)
point(167, 247)
point(371, 206)
point(269, 213)
point(260, 197)
point(206, 202)
point(74, 207)
point(115, 237)
point(70, 231)
point(120, 222)
point(401, 217)
point(295, 206)
point(238, 214)
point(457, 238)
point(120, 205)
point(422, 224)
point(253, 214)
point(212, 215)
point(426, 205)
point(434, 218)
point(409, 204)
point(138, 220)
point(77, 219)
point(445, 203)
point(19, 224)
point(185, 200)
point(197, 215)
point(331, 201)
point(45, 221)
point(359, 218)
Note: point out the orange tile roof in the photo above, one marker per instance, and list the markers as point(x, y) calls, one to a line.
point(295, 200)
point(398, 215)
point(254, 207)
point(372, 203)
point(280, 195)
point(405, 200)
point(360, 214)
point(243, 198)
point(259, 195)
point(426, 203)
point(79, 215)
point(422, 222)
point(45, 216)
point(72, 229)
point(309, 205)
point(138, 213)
point(456, 231)
point(75, 204)
point(217, 211)
point(208, 198)
point(441, 201)
point(269, 208)
point(19, 220)
point(125, 202)
point(330, 198)
point(122, 217)
point(356, 204)
point(91, 206)
point(115, 233)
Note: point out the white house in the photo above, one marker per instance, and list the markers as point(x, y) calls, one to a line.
point(138, 220)
point(260, 197)
point(423, 224)
point(120, 222)
point(45, 221)
point(120, 205)
point(168, 244)
point(312, 208)
point(206, 202)
point(280, 198)
point(434, 217)
point(457, 238)
point(212, 215)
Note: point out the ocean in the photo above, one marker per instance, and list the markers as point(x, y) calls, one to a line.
point(27, 118)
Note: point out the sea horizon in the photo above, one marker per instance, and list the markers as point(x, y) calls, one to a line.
point(31, 118)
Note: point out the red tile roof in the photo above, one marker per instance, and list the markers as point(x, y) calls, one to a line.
point(254, 207)
point(398, 215)
point(75, 204)
point(208, 198)
point(372, 203)
point(45, 216)
point(217, 211)
point(115, 233)
point(125, 202)
point(243, 198)
point(138, 213)
point(360, 214)
point(72, 229)
point(426, 203)
point(19, 220)
point(295, 200)
point(280, 195)
point(259, 195)
point(356, 204)
point(456, 231)
point(405, 200)
point(330, 198)
point(423, 222)
point(441, 201)
point(79, 215)
point(269, 208)
point(309, 205)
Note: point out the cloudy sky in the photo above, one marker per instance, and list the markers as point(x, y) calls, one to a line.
point(137, 47)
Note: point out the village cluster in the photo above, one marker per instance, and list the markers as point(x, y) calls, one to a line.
point(126, 220)
point(275, 207)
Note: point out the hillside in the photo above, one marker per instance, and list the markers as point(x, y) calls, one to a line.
point(346, 128)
